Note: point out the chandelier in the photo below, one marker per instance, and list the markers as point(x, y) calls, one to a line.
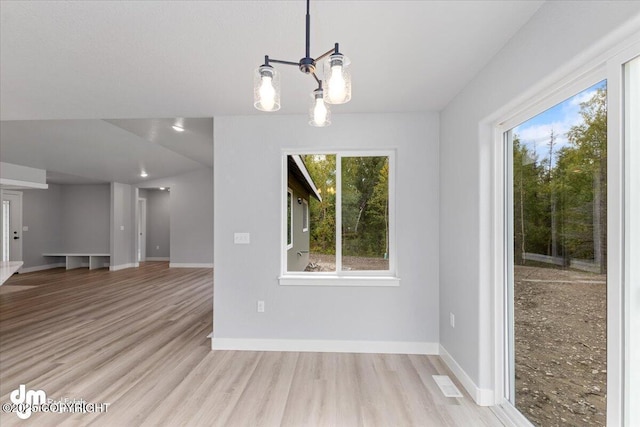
point(335, 89)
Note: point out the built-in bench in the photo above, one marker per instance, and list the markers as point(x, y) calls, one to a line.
point(78, 260)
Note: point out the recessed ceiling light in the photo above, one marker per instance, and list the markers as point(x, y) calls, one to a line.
point(143, 174)
point(162, 188)
point(177, 128)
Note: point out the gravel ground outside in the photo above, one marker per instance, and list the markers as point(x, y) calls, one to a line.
point(321, 262)
point(560, 346)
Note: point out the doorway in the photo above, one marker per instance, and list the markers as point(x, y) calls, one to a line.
point(153, 224)
point(142, 229)
point(11, 225)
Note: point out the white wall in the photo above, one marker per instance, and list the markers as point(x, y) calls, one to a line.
point(85, 218)
point(248, 165)
point(42, 213)
point(122, 243)
point(556, 37)
point(191, 217)
point(65, 218)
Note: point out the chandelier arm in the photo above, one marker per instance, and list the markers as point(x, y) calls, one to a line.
point(278, 61)
point(317, 79)
point(324, 55)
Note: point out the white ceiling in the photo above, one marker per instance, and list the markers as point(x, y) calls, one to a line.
point(70, 60)
point(90, 151)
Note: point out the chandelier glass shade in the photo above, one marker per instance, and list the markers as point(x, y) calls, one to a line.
point(319, 112)
point(266, 88)
point(334, 88)
point(337, 79)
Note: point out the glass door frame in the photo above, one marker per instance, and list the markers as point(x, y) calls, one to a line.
point(631, 83)
point(607, 66)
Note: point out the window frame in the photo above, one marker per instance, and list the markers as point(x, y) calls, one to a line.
point(288, 217)
point(339, 277)
point(305, 216)
point(631, 342)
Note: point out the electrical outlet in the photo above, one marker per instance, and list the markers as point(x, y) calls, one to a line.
point(452, 320)
point(260, 306)
point(157, 248)
point(241, 238)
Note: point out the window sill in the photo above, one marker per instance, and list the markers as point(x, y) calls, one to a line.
point(313, 280)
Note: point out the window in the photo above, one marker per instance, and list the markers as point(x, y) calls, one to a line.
point(289, 219)
point(365, 212)
point(305, 215)
point(346, 209)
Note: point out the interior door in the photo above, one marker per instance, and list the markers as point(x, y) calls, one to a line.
point(11, 226)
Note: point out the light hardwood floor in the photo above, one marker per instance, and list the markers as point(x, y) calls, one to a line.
point(137, 339)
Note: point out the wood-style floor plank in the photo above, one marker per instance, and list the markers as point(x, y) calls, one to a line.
point(137, 339)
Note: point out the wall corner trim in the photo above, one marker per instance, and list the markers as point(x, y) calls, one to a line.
point(190, 265)
point(41, 267)
point(325, 346)
point(121, 267)
point(482, 396)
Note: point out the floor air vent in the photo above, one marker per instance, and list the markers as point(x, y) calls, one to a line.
point(447, 387)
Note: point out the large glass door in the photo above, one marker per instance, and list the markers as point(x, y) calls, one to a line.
point(557, 262)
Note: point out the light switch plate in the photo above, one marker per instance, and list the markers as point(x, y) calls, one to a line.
point(25, 228)
point(241, 238)
point(122, 228)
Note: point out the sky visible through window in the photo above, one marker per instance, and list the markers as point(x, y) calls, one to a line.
point(535, 132)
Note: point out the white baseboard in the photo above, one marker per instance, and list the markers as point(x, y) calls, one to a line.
point(121, 266)
point(189, 265)
point(157, 258)
point(325, 346)
point(482, 396)
point(41, 267)
point(510, 416)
